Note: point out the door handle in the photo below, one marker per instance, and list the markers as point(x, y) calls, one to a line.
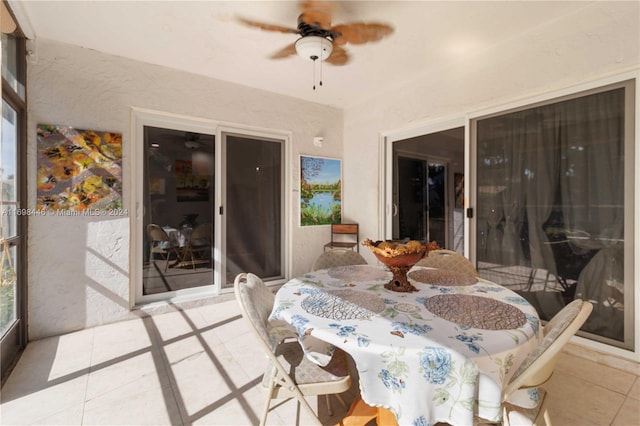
point(394, 209)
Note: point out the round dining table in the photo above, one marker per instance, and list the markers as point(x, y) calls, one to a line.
point(440, 354)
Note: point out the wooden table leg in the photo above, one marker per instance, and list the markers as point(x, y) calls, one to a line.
point(359, 414)
point(362, 413)
point(386, 418)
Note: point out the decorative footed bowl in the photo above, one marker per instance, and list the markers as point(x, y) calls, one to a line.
point(399, 258)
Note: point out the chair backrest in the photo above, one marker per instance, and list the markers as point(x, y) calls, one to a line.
point(256, 302)
point(338, 257)
point(156, 233)
point(344, 228)
point(538, 367)
point(450, 260)
point(344, 235)
point(202, 232)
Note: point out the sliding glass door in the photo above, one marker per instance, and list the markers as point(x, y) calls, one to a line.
point(253, 213)
point(555, 205)
point(179, 204)
point(210, 204)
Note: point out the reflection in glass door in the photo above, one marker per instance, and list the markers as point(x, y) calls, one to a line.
point(179, 203)
point(420, 195)
point(420, 189)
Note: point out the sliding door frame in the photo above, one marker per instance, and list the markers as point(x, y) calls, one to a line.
point(221, 198)
point(141, 118)
point(632, 209)
point(144, 117)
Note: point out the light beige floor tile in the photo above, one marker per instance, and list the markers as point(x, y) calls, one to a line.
point(178, 324)
point(203, 366)
point(220, 311)
point(598, 374)
point(246, 352)
point(206, 378)
point(629, 414)
point(635, 390)
point(142, 402)
point(227, 321)
point(37, 402)
point(121, 340)
point(113, 376)
point(69, 416)
point(573, 401)
point(182, 349)
point(48, 362)
point(73, 354)
point(241, 411)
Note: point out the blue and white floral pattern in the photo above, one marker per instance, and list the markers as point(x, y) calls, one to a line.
point(410, 328)
point(435, 364)
point(470, 341)
point(422, 367)
point(347, 330)
point(300, 324)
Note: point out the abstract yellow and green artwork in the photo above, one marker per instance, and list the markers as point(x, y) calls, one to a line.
point(78, 169)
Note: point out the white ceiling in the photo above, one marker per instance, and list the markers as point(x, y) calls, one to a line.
point(204, 37)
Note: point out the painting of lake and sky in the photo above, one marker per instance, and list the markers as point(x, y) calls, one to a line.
point(320, 191)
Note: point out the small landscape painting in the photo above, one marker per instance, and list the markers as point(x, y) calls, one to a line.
point(320, 191)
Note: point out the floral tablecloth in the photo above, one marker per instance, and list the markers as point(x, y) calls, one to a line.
point(441, 354)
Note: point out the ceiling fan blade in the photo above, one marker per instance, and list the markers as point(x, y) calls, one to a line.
point(338, 56)
point(268, 27)
point(316, 13)
point(361, 32)
point(284, 52)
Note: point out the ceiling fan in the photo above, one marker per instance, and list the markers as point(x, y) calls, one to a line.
point(319, 38)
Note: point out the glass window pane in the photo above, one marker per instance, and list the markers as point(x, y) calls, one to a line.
point(8, 287)
point(8, 170)
point(8, 150)
point(551, 204)
point(10, 69)
point(179, 200)
point(253, 210)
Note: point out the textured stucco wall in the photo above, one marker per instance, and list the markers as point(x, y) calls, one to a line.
point(79, 266)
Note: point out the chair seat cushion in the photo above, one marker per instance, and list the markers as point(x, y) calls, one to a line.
point(303, 371)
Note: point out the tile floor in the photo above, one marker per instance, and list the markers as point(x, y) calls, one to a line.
point(200, 366)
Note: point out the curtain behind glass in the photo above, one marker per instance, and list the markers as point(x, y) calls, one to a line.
point(552, 177)
point(592, 182)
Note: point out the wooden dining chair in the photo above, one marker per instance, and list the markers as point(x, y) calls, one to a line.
point(537, 368)
point(161, 244)
point(344, 235)
point(290, 373)
point(450, 260)
point(338, 257)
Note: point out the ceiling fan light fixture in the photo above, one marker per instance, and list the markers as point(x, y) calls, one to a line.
point(314, 47)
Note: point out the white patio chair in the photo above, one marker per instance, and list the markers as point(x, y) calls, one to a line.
point(290, 373)
point(449, 260)
point(538, 367)
point(338, 257)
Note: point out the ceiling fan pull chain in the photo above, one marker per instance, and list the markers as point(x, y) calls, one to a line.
point(321, 69)
point(313, 59)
